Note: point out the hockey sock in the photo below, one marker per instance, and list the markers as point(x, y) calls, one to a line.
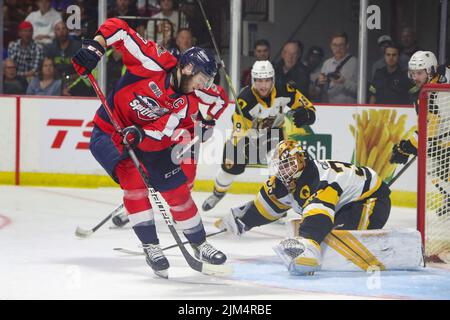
point(141, 215)
point(223, 182)
point(195, 235)
point(146, 232)
point(185, 213)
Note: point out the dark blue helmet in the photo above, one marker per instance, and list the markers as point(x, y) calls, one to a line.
point(200, 59)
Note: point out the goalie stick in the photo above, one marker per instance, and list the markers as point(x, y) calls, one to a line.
point(406, 166)
point(206, 268)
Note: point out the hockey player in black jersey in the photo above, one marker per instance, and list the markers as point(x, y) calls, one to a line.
point(424, 69)
point(259, 128)
point(327, 194)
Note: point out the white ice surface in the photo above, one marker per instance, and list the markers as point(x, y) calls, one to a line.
point(40, 258)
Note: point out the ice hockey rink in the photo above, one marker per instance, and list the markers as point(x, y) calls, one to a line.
point(42, 259)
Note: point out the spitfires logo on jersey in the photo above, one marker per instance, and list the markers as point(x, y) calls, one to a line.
point(146, 108)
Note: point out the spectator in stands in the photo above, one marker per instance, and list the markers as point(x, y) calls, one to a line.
point(89, 16)
point(43, 21)
point(62, 49)
point(261, 52)
point(183, 41)
point(25, 52)
point(125, 8)
point(12, 83)
point(338, 78)
point(408, 42)
point(390, 84)
point(147, 8)
point(45, 84)
point(291, 69)
point(165, 30)
point(61, 5)
point(14, 11)
point(383, 41)
point(313, 62)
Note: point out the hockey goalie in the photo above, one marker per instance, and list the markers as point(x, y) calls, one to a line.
point(333, 198)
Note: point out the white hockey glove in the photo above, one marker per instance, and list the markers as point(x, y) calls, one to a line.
point(232, 222)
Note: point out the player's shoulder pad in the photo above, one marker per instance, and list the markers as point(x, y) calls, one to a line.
point(288, 87)
point(246, 97)
point(274, 187)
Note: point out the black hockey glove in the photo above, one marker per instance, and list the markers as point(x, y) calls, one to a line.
point(86, 59)
point(302, 117)
point(133, 135)
point(402, 151)
point(206, 126)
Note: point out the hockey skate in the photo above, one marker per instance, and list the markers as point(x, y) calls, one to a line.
point(212, 200)
point(207, 253)
point(120, 219)
point(156, 260)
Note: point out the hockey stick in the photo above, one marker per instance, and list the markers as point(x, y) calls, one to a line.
point(139, 253)
point(406, 166)
point(195, 264)
point(227, 77)
point(83, 233)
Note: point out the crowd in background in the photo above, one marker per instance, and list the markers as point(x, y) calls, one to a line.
point(38, 48)
point(335, 80)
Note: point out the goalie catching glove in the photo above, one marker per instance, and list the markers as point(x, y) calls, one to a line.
point(402, 151)
point(87, 58)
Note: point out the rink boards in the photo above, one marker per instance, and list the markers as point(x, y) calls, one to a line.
point(45, 142)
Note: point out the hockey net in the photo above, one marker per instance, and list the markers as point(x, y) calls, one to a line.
point(434, 169)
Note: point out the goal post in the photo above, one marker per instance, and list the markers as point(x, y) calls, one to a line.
point(433, 192)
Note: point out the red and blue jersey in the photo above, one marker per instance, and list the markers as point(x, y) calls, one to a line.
point(144, 96)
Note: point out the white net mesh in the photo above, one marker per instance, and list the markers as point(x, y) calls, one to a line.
point(437, 212)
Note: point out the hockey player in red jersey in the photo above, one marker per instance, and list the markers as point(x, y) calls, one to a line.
point(155, 104)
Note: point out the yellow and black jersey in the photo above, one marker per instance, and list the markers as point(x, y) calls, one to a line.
point(323, 188)
point(434, 115)
point(269, 112)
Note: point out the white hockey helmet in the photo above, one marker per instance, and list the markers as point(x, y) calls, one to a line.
point(262, 70)
point(423, 60)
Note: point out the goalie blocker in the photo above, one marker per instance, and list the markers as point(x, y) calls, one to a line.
point(330, 195)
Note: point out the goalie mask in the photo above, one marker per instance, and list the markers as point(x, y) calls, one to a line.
point(288, 161)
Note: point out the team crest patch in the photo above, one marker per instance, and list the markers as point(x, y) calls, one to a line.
point(305, 192)
point(146, 108)
point(160, 50)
